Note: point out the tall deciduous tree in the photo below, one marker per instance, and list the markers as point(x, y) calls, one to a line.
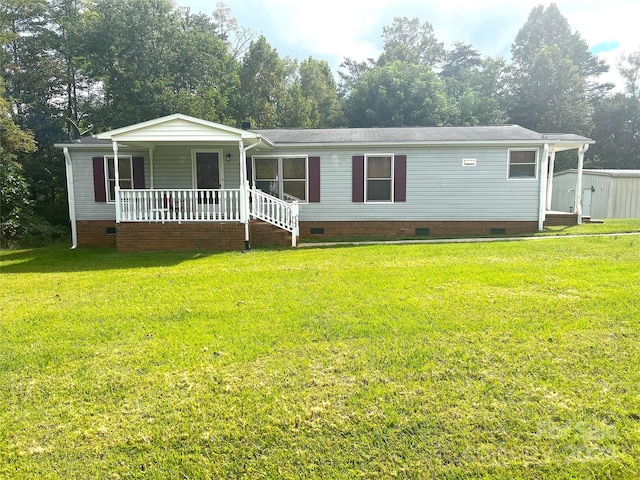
point(398, 94)
point(472, 84)
point(408, 40)
point(263, 82)
point(617, 122)
point(319, 87)
point(553, 75)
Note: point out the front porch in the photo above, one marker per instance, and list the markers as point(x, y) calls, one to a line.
point(183, 170)
point(202, 205)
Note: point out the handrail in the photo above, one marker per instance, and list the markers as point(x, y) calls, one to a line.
point(275, 211)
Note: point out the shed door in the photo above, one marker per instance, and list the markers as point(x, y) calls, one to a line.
point(586, 201)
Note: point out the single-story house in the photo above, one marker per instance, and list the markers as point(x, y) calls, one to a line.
point(605, 193)
point(178, 182)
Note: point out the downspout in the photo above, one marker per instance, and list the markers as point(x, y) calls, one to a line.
point(578, 193)
point(117, 178)
point(244, 187)
point(552, 161)
point(544, 167)
point(71, 198)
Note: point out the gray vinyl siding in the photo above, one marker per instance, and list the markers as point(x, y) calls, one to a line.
point(438, 187)
point(611, 197)
point(173, 166)
point(86, 206)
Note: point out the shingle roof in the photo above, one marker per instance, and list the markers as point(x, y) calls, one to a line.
point(500, 133)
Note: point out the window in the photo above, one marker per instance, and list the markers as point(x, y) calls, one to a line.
point(282, 177)
point(379, 178)
point(522, 163)
point(125, 174)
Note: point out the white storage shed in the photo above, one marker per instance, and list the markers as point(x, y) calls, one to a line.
point(605, 193)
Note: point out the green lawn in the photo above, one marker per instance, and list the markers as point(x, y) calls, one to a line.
point(501, 360)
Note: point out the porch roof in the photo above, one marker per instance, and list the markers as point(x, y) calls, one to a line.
point(179, 128)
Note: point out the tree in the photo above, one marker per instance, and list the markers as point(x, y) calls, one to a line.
point(236, 37)
point(351, 73)
point(398, 94)
point(617, 122)
point(472, 83)
point(552, 76)
point(319, 88)
point(263, 80)
point(15, 206)
point(408, 40)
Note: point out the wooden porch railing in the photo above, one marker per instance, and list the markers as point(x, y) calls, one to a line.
point(221, 205)
point(275, 211)
point(179, 205)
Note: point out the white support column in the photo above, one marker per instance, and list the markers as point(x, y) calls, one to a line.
point(151, 173)
point(117, 178)
point(552, 161)
point(544, 166)
point(244, 192)
point(578, 193)
point(71, 197)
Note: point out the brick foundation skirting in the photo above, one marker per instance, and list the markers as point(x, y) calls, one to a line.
point(264, 234)
point(94, 233)
point(560, 219)
point(136, 237)
point(413, 228)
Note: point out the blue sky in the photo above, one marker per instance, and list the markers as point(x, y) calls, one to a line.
point(334, 29)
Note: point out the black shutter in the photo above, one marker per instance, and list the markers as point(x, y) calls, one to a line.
point(314, 179)
point(99, 184)
point(138, 172)
point(400, 178)
point(357, 179)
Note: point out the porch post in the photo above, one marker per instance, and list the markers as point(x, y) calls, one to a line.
point(244, 193)
point(578, 193)
point(117, 178)
point(552, 161)
point(151, 175)
point(544, 166)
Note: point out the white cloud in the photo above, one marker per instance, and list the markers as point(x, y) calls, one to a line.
point(334, 29)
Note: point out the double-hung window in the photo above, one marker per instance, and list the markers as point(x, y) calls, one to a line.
point(282, 177)
point(125, 174)
point(522, 163)
point(379, 178)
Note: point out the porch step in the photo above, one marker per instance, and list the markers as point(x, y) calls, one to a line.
point(264, 234)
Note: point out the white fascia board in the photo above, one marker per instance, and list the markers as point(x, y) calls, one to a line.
point(236, 132)
point(409, 144)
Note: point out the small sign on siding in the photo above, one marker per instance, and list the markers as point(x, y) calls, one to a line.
point(469, 162)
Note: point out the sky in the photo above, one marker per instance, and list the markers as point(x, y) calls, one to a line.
point(334, 29)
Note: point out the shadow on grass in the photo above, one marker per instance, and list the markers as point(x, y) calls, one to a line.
point(60, 258)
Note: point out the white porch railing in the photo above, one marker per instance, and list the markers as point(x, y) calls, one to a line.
point(221, 205)
point(179, 205)
point(275, 211)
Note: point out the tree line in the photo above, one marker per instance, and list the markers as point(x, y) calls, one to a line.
point(72, 67)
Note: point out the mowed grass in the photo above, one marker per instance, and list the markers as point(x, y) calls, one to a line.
point(502, 360)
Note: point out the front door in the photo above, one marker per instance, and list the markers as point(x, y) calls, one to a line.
point(208, 171)
point(208, 176)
